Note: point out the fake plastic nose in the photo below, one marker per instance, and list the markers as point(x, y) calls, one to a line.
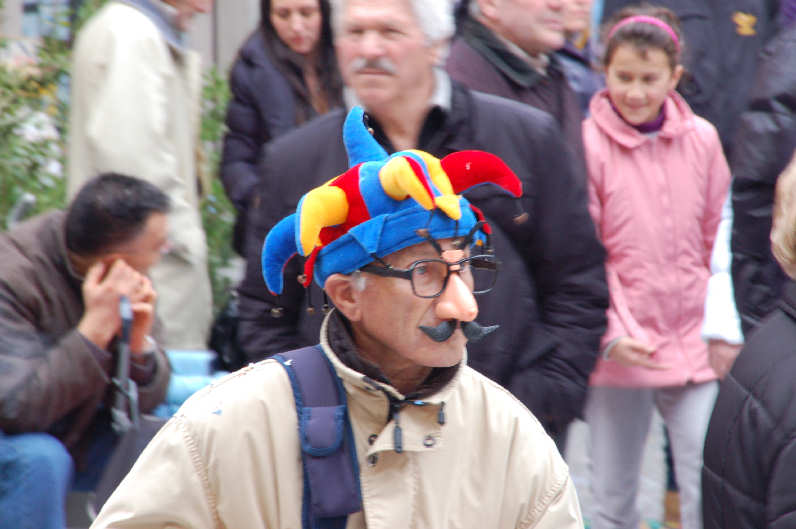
point(457, 301)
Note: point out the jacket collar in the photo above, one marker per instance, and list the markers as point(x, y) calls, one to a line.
point(447, 126)
point(163, 16)
point(506, 57)
point(59, 235)
point(679, 120)
point(339, 347)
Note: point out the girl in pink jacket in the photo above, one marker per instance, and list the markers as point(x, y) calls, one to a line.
point(657, 181)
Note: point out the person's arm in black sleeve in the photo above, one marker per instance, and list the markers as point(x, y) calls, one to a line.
point(246, 134)
point(567, 264)
point(763, 146)
point(268, 323)
point(245, 137)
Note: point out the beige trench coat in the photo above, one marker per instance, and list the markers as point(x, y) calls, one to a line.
point(230, 459)
point(135, 110)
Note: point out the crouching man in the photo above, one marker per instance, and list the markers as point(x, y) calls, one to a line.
point(432, 443)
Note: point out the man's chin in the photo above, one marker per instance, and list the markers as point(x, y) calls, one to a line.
point(374, 91)
point(452, 354)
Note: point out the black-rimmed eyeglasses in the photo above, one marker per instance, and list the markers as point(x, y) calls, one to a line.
point(429, 277)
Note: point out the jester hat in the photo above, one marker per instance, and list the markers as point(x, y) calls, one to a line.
point(382, 204)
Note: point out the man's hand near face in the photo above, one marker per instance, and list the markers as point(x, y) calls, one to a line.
point(103, 287)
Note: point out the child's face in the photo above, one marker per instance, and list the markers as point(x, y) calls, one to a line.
point(639, 83)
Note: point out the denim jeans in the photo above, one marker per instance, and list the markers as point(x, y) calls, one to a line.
point(35, 475)
point(37, 472)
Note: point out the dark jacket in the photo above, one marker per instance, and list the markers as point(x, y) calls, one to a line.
point(481, 61)
point(581, 74)
point(551, 296)
point(262, 107)
point(52, 379)
point(722, 41)
point(750, 450)
point(764, 145)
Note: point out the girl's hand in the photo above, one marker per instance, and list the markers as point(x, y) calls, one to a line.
point(721, 356)
point(631, 352)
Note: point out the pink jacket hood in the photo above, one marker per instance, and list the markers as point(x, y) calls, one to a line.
point(679, 120)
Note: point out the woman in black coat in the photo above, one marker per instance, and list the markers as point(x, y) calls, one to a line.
point(749, 473)
point(285, 74)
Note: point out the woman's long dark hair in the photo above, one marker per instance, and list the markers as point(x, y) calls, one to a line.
point(291, 63)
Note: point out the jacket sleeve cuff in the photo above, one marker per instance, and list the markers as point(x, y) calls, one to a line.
point(104, 358)
point(607, 349)
point(143, 372)
point(721, 320)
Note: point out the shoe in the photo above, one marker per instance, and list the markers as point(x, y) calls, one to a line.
point(671, 509)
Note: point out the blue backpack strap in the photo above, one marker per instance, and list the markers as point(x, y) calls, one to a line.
point(328, 453)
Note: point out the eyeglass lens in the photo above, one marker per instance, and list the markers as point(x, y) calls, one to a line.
point(429, 275)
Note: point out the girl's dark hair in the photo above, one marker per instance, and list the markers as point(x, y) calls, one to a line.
point(109, 210)
point(644, 36)
point(291, 64)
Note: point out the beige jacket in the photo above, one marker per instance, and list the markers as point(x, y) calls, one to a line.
point(135, 109)
point(230, 459)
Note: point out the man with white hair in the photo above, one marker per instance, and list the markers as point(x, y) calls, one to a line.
point(551, 296)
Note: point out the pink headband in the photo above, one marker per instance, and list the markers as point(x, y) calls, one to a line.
point(644, 19)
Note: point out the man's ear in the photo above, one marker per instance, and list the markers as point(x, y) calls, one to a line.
point(488, 8)
point(345, 295)
point(439, 53)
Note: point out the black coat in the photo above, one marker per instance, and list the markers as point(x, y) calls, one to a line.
point(749, 477)
point(764, 145)
point(481, 61)
point(262, 107)
point(551, 296)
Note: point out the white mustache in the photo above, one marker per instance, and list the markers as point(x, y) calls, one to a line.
point(382, 63)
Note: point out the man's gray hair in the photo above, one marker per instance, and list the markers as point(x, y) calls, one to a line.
point(435, 17)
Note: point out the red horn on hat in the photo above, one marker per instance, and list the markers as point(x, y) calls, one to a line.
point(467, 169)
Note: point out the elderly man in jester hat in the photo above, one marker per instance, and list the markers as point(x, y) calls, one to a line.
point(401, 255)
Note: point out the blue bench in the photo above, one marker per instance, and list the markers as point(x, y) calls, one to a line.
point(191, 370)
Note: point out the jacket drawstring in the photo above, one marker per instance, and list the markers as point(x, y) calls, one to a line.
point(397, 435)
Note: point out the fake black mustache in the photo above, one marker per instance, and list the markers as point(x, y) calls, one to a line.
point(473, 331)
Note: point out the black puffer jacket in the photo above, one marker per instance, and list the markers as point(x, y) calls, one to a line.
point(551, 295)
point(763, 147)
point(749, 477)
point(262, 107)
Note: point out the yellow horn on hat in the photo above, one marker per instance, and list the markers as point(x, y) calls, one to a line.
point(435, 171)
point(448, 202)
point(450, 205)
point(323, 206)
point(399, 181)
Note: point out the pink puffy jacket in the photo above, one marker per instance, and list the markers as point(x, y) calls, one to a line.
point(656, 200)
